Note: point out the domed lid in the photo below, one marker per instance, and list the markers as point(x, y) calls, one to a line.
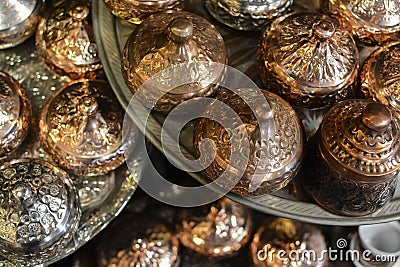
point(39, 207)
point(81, 127)
point(15, 12)
point(65, 39)
point(138, 241)
point(378, 13)
point(362, 137)
point(312, 50)
point(380, 76)
point(14, 113)
point(286, 235)
point(282, 149)
point(171, 38)
point(216, 230)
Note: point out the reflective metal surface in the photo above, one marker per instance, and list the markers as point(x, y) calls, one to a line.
point(286, 235)
point(107, 197)
point(138, 241)
point(359, 154)
point(135, 11)
point(81, 128)
point(39, 212)
point(15, 114)
point(372, 22)
point(308, 59)
point(217, 230)
point(241, 50)
point(65, 41)
point(245, 14)
point(167, 39)
point(18, 21)
point(380, 77)
point(286, 140)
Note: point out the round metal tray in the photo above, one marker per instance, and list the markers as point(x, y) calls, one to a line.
point(111, 36)
point(102, 198)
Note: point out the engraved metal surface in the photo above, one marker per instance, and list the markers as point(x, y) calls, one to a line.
point(65, 41)
point(138, 241)
point(285, 146)
point(372, 22)
point(81, 128)
point(308, 59)
point(167, 39)
point(342, 194)
point(15, 114)
point(39, 211)
point(241, 52)
point(137, 10)
point(217, 230)
point(18, 21)
point(245, 14)
point(106, 199)
point(356, 158)
point(380, 76)
point(287, 235)
point(363, 137)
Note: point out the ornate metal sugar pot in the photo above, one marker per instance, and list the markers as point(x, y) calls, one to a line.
point(39, 211)
point(177, 45)
point(357, 158)
point(380, 75)
point(65, 40)
point(308, 59)
point(281, 143)
point(81, 128)
point(245, 14)
point(15, 114)
point(373, 22)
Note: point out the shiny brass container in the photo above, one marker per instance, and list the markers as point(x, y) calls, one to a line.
point(245, 14)
point(65, 40)
point(217, 230)
point(39, 211)
point(135, 11)
point(164, 41)
point(138, 241)
point(373, 22)
point(15, 114)
point(292, 237)
point(380, 75)
point(309, 60)
point(357, 158)
point(18, 21)
point(81, 128)
point(282, 148)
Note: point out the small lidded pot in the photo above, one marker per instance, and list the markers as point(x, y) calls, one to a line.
point(65, 40)
point(247, 15)
point(162, 43)
point(135, 11)
point(138, 240)
point(380, 76)
point(217, 230)
point(15, 114)
point(81, 128)
point(18, 21)
point(357, 158)
point(308, 59)
point(275, 150)
point(39, 211)
point(280, 240)
point(373, 22)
